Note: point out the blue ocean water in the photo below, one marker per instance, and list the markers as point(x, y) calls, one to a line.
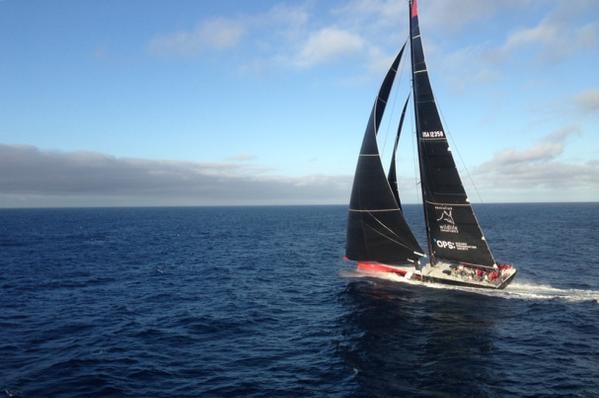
point(254, 302)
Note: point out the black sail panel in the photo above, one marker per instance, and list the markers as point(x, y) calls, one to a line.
point(456, 235)
point(377, 230)
point(452, 229)
point(392, 178)
point(392, 172)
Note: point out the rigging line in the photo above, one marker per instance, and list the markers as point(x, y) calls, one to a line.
point(381, 223)
point(394, 241)
point(454, 145)
point(393, 232)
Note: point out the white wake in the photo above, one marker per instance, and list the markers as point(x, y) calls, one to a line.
point(516, 290)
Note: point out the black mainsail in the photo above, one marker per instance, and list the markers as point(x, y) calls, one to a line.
point(376, 229)
point(453, 232)
point(392, 172)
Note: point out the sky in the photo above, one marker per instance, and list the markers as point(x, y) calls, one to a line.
point(155, 102)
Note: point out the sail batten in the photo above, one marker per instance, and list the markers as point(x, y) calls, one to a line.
point(373, 210)
point(453, 231)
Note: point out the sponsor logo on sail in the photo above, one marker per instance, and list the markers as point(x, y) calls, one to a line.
point(445, 219)
point(451, 245)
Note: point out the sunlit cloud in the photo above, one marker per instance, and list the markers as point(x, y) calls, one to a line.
point(327, 44)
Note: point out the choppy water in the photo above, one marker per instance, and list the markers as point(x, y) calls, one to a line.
point(255, 302)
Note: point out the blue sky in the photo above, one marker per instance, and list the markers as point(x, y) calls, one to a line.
point(263, 102)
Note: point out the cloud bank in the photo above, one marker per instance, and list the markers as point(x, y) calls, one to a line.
point(32, 177)
point(537, 172)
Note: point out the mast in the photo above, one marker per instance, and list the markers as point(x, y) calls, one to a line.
point(392, 171)
point(415, 33)
point(376, 228)
point(453, 233)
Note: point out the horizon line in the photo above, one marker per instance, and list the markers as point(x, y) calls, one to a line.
point(260, 205)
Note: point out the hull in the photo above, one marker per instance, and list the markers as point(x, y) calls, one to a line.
point(448, 274)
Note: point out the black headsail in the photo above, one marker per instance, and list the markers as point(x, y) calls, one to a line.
point(452, 229)
point(392, 173)
point(376, 228)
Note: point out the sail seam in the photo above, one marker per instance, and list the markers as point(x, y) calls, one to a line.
point(419, 71)
point(372, 210)
point(369, 154)
point(447, 204)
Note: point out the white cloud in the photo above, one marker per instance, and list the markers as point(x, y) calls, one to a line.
point(443, 15)
point(439, 16)
point(544, 33)
point(282, 16)
point(550, 147)
point(553, 38)
point(382, 12)
point(328, 44)
point(280, 22)
point(561, 31)
point(218, 33)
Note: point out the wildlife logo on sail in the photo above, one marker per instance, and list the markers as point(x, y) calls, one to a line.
point(445, 215)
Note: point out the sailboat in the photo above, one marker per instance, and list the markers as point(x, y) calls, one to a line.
point(378, 237)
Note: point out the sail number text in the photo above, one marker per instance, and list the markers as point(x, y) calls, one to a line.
point(433, 134)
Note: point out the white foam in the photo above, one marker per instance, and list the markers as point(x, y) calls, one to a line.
point(544, 292)
point(516, 290)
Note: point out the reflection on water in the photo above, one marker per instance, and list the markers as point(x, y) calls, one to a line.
point(404, 340)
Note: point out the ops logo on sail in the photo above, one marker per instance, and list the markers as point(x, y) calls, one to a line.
point(445, 244)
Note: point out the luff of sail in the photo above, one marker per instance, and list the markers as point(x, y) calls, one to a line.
point(452, 229)
point(392, 176)
point(377, 230)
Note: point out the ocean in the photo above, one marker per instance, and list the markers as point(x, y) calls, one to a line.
point(257, 302)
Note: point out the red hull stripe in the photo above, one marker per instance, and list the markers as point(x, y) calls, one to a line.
point(376, 267)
